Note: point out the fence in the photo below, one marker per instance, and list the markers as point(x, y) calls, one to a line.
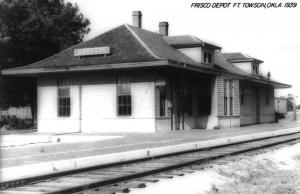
point(20, 112)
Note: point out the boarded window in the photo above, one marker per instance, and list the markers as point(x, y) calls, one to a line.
point(124, 95)
point(63, 97)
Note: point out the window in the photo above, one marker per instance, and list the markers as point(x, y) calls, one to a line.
point(124, 95)
point(254, 68)
point(63, 96)
point(230, 97)
point(225, 97)
point(207, 57)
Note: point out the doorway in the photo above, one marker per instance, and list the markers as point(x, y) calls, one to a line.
point(255, 107)
point(178, 104)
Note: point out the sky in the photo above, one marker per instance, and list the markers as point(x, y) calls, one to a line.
point(271, 35)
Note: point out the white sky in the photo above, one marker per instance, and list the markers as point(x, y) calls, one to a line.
point(272, 35)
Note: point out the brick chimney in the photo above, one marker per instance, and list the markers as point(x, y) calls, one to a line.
point(164, 28)
point(137, 19)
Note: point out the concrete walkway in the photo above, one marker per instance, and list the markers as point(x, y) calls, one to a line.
point(46, 147)
point(81, 150)
point(37, 139)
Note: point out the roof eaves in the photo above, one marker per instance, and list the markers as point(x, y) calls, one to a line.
point(266, 81)
point(239, 60)
point(187, 45)
point(244, 60)
point(194, 67)
point(80, 68)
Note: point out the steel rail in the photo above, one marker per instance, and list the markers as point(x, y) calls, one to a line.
point(135, 174)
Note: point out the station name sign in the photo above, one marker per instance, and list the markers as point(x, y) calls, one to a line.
point(92, 51)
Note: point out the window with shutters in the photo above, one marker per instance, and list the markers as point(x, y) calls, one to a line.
point(230, 97)
point(225, 96)
point(124, 95)
point(63, 98)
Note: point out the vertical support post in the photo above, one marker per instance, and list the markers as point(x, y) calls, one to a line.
point(213, 120)
point(183, 101)
point(80, 108)
point(172, 99)
point(295, 110)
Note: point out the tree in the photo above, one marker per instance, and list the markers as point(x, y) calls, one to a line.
point(31, 30)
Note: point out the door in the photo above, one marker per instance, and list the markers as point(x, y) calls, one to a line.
point(255, 106)
point(178, 105)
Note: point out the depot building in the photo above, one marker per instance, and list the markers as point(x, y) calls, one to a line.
point(133, 80)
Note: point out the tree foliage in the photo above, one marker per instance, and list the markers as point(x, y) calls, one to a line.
point(31, 30)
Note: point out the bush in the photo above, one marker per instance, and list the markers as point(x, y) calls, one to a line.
point(15, 123)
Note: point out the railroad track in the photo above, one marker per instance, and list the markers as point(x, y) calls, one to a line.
point(136, 174)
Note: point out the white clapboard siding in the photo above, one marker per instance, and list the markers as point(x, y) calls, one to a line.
point(99, 106)
point(236, 98)
point(48, 120)
point(266, 110)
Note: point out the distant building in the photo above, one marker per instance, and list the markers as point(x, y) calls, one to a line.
point(281, 106)
point(133, 80)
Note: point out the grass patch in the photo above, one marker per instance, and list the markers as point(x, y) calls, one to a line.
point(297, 157)
point(256, 177)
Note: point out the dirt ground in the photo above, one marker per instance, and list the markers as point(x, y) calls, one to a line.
point(273, 172)
point(277, 172)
